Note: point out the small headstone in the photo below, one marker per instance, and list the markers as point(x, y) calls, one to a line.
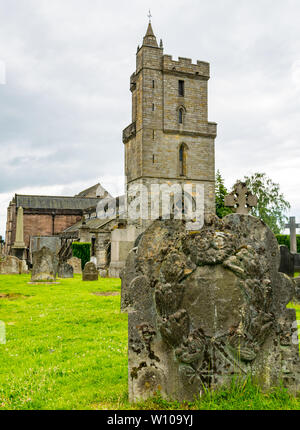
point(76, 264)
point(90, 272)
point(103, 273)
point(44, 267)
point(287, 261)
point(65, 270)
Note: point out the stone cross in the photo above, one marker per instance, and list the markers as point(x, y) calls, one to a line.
point(293, 237)
point(241, 200)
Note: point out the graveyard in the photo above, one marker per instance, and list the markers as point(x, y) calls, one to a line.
point(170, 291)
point(67, 349)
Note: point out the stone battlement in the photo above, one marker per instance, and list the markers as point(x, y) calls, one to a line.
point(185, 65)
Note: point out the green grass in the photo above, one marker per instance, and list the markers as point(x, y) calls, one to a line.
point(67, 349)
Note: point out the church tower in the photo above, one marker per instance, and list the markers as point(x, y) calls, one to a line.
point(170, 140)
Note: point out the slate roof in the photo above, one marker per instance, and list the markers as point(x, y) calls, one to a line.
point(93, 224)
point(88, 190)
point(55, 202)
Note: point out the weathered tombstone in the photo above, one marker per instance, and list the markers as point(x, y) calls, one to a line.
point(10, 265)
point(103, 273)
point(76, 264)
point(240, 200)
point(206, 307)
point(65, 270)
point(45, 265)
point(297, 289)
point(94, 260)
point(297, 262)
point(90, 272)
point(287, 261)
point(292, 225)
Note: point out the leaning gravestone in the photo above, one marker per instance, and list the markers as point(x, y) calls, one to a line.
point(205, 307)
point(45, 265)
point(65, 270)
point(76, 264)
point(90, 272)
point(287, 261)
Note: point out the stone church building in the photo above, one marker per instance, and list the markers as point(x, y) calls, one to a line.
point(169, 141)
point(45, 216)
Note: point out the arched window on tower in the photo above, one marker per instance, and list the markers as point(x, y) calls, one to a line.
point(180, 116)
point(182, 159)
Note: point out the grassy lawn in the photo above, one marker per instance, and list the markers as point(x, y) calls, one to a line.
point(67, 349)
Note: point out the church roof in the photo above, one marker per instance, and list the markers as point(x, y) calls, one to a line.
point(89, 190)
point(94, 191)
point(93, 224)
point(55, 202)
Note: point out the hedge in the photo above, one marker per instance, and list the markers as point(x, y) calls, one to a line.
point(284, 239)
point(82, 250)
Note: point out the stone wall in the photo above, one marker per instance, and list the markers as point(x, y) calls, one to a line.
point(42, 224)
point(122, 241)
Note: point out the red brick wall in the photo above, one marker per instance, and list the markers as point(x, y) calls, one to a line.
point(41, 225)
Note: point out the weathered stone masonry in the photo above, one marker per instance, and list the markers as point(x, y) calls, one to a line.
point(153, 139)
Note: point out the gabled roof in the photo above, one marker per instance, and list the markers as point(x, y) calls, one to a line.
point(93, 224)
point(54, 202)
point(89, 190)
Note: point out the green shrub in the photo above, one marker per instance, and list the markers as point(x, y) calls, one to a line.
point(284, 239)
point(82, 250)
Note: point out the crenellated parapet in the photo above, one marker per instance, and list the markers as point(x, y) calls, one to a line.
point(185, 65)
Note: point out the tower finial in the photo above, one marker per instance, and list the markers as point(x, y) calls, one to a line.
point(149, 15)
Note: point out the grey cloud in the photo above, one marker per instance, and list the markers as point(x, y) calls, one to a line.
point(67, 96)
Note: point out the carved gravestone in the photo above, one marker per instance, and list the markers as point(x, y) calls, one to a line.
point(205, 307)
point(44, 266)
point(287, 261)
point(90, 272)
point(65, 270)
point(76, 264)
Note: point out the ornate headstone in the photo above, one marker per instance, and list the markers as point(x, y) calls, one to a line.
point(90, 272)
point(76, 264)
point(65, 270)
point(287, 261)
point(240, 200)
point(207, 307)
point(45, 265)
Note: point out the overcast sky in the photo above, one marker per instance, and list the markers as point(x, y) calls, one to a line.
point(66, 98)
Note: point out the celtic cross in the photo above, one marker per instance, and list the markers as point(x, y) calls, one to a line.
point(241, 200)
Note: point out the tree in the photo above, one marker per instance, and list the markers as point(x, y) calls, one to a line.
point(271, 206)
point(221, 191)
